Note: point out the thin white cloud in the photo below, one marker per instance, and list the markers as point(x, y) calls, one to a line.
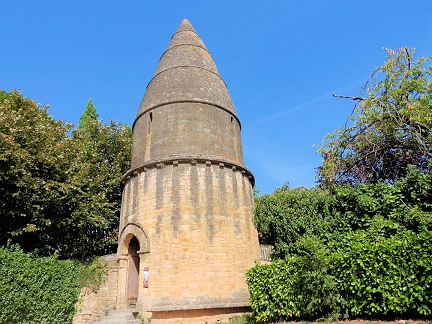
point(310, 102)
point(287, 111)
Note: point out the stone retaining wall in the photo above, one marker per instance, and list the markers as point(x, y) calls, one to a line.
point(91, 305)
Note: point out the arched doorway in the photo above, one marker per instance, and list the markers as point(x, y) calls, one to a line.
point(133, 272)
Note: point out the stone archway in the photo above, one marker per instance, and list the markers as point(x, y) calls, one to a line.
point(133, 246)
point(129, 231)
point(133, 272)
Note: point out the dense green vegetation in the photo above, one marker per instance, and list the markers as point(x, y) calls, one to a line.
point(360, 244)
point(287, 215)
point(60, 187)
point(360, 251)
point(41, 289)
point(60, 197)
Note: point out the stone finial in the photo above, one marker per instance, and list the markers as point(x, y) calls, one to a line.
point(185, 25)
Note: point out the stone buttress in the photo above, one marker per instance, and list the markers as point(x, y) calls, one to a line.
point(186, 235)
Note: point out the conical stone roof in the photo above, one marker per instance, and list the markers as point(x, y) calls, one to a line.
point(186, 73)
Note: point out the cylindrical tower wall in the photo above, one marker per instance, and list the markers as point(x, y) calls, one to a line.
point(186, 128)
point(202, 238)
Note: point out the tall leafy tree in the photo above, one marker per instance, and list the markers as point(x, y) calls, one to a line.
point(35, 154)
point(389, 129)
point(102, 157)
point(60, 192)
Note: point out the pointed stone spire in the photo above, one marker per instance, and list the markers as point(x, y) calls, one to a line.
point(185, 25)
point(186, 49)
point(186, 35)
point(186, 73)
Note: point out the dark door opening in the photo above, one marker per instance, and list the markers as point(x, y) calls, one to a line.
point(133, 272)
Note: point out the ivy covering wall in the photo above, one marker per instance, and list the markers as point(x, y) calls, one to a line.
point(42, 290)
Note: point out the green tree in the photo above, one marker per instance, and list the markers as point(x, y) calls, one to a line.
point(102, 157)
point(389, 129)
point(60, 192)
point(286, 215)
point(89, 115)
point(35, 154)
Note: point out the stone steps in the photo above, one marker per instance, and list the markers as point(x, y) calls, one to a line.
point(120, 316)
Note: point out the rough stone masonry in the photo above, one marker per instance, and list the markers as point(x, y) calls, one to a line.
point(186, 228)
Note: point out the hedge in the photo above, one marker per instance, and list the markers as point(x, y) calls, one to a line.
point(365, 276)
point(378, 275)
point(363, 251)
point(39, 289)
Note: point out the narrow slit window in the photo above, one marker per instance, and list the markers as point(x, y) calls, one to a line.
point(150, 123)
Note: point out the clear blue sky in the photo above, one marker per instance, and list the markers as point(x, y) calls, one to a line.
point(280, 59)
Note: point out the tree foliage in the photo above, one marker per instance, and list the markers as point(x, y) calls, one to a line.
point(349, 252)
point(34, 159)
point(102, 157)
point(88, 116)
point(286, 215)
point(389, 129)
point(60, 192)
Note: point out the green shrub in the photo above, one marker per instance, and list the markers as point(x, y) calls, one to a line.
point(297, 287)
point(408, 202)
point(286, 215)
point(353, 252)
point(379, 275)
point(40, 290)
point(366, 274)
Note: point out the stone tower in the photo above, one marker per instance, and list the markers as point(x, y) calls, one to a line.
point(186, 229)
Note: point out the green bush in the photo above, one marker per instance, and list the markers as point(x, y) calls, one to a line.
point(408, 202)
point(367, 274)
point(39, 290)
point(362, 251)
point(288, 214)
point(379, 275)
point(298, 287)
